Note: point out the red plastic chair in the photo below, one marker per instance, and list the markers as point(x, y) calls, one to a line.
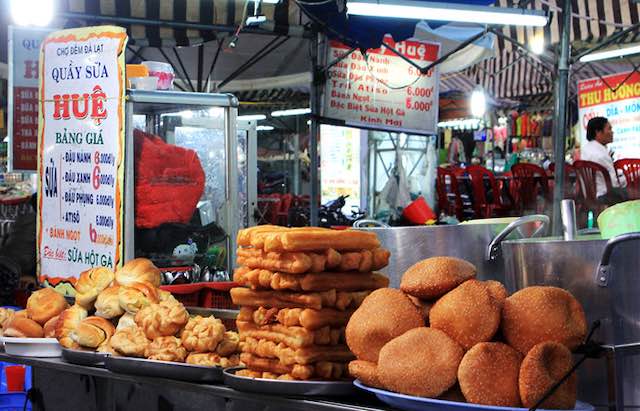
point(526, 179)
point(286, 200)
point(587, 172)
point(571, 189)
point(449, 200)
point(631, 169)
point(481, 205)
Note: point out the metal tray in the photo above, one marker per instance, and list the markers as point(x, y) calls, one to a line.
point(410, 403)
point(81, 357)
point(283, 387)
point(164, 369)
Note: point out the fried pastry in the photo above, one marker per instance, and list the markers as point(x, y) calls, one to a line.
point(229, 344)
point(67, 322)
point(340, 300)
point(431, 278)
point(210, 359)
point(45, 304)
point(488, 375)
point(303, 262)
point(365, 371)
point(317, 239)
point(203, 334)
point(421, 362)
point(264, 375)
point(468, 314)
point(138, 270)
point(294, 337)
point(341, 281)
point(322, 370)
point(93, 331)
point(384, 315)
point(162, 320)
point(291, 356)
point(90, 284)
point(106, 348)
point(166, 349)
point(542, 368)
point(135, 296)
point(538, 314)
point(108, 303)
point(304, 317)
point(130, 342)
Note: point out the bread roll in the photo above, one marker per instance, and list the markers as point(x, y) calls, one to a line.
point(108, 303)
point(50, 327)
point(67, 323)
point(45, 304)
point(91, 283)
point(135, 296)
point(93, 331)
point(137, 271)
point(23, 328)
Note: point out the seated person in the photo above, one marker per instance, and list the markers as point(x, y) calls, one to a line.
point(599, 134)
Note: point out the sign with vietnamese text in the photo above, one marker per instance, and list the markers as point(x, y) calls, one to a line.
point(616, 97)
point(24, 52)
point(379, 89)
point(80, 161)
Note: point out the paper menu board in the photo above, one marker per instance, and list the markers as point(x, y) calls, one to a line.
point(81, 152)
point(379, 89)
point(616, 97)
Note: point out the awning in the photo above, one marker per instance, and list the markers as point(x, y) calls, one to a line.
point(159, 23)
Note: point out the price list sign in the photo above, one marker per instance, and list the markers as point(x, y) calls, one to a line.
point(81, 140)
point(24, 52)
point(379, 89)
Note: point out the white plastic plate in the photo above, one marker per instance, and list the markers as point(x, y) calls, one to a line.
point(32, 347)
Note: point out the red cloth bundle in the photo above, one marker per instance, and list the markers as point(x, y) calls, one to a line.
point(169, 181)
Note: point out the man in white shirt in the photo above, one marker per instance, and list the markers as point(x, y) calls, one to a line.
point(599, 134)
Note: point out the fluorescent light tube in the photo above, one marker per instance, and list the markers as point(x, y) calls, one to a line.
point(292, 112)
point(253, 20)
point(609, 54)
point(264, 128)
point(447, 12)
point(255, 117)
point(267, 1)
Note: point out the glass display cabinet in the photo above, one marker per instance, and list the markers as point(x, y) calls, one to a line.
point(189, 181)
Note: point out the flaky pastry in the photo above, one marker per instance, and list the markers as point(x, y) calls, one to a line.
point(229, 344)
point(130, 342)
point(162, 320)
point(291, 356)
point(67, 322)
point(138, 270)
point(166, 349)
point(202, 334)
point(322, 370)
point(93, 331)
point(90, 284)
point(108, 303)
point(210, 359)
point(294, 337)
point(135, 296)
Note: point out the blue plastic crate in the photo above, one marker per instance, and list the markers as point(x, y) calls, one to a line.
point(13, 401)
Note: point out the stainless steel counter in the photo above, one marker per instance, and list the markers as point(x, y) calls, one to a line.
point(55, 377)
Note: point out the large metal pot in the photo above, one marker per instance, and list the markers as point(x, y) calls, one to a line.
point(408, 245)
point(602, 275)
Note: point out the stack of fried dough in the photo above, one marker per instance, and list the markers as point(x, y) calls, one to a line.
point(299, 289)
point(126, 314)
point(446, 335)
